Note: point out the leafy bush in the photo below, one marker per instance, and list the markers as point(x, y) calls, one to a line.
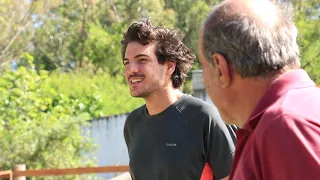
point(113, 93)
point(41, 127)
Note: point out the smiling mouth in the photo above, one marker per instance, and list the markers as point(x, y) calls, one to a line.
point(135, 81)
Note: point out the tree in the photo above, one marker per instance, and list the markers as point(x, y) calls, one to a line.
point(17, 24)
point(86, 33)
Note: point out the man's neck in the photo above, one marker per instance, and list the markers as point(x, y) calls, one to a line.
point(249, 94)
point(248, 104)
point(161, 100)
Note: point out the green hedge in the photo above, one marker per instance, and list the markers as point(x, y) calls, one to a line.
point(112, 92)
point(40, 126)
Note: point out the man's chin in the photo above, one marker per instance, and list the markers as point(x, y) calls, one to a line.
point(141, 94)
point(138, 95)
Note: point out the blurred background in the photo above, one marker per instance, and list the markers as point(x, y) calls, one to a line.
point(63, 97)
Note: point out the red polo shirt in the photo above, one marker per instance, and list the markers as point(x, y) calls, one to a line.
point(281, 139)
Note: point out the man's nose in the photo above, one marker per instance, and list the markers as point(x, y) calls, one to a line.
point(132, 68)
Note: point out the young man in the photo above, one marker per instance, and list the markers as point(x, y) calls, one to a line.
point(251, 71)
point(173, 135)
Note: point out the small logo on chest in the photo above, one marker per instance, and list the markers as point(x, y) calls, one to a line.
point(171, 144)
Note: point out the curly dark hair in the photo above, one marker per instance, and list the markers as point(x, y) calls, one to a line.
point(169, 47)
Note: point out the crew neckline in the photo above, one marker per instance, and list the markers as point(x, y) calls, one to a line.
point(173, 105)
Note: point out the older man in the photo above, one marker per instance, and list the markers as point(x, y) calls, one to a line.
point(252, 73)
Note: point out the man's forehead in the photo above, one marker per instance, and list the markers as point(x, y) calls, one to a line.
point(135, 48)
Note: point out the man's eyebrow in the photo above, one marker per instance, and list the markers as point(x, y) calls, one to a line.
point(141, 55)
point(137, 56)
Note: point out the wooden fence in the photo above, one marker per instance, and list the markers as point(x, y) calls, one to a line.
point(20, 172)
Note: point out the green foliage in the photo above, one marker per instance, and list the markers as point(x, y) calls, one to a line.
point(86, 34)
point(307, 21)
point(40, 126)
point(113, 94)
point(54, 37)
point(103, 48)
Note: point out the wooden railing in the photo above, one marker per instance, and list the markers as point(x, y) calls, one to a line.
point(6, 174)
point(19, 173)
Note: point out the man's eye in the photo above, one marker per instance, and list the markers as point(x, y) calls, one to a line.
point(125, 63)
point(143, 60)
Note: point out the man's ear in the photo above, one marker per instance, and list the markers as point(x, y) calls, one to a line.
point(171, 66)
point(222, 68)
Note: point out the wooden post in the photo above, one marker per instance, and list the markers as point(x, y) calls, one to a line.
point(19, 167)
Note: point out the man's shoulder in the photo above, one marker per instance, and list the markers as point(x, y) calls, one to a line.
point(302, 102)
point(290, 114)
point(135, 114)
point(193, 106)
point(192, 102)
point(295, 104)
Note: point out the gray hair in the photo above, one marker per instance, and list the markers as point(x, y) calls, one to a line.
point(251, 46)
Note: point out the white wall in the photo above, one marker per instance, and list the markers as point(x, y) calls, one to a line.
point(108, 134)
